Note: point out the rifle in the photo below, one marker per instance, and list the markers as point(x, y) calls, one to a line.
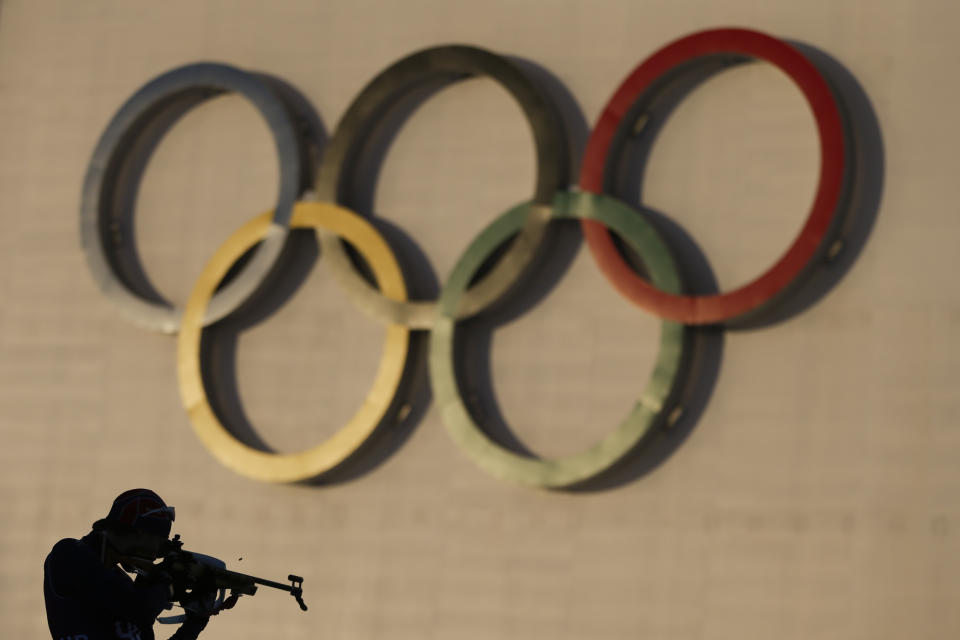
point(195, 573)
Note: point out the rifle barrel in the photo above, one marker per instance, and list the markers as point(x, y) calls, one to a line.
point(243, 577)
point(294, 589)
point(275, 585)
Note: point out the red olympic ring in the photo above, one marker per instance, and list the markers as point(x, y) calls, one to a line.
point(833, 166)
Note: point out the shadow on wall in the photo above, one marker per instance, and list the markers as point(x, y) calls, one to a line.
point(629, 155)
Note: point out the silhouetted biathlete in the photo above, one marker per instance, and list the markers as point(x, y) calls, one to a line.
point(90, 597)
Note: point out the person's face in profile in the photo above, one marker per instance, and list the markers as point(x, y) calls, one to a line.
point(139, 544)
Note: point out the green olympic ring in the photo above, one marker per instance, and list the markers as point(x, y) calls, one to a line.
point(655, 400)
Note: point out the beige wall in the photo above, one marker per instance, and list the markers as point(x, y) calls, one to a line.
point(817, 497)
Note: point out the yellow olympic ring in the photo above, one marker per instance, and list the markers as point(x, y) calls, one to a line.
point(304, 465)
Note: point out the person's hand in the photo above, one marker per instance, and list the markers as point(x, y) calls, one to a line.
point(157, 583)
point(201, 604)
point(157, 575)
point(228, 603)
point(197, 608)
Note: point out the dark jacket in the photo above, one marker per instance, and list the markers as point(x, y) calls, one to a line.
point(87, 600)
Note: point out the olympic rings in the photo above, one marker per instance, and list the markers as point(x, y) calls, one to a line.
point(627, 104)
point(323, 457)
point(398, 80)
point(654, 400)
point(110, 180)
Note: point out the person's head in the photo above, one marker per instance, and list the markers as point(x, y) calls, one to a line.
point(138, 524)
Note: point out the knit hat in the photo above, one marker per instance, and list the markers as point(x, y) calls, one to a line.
point(143, 510)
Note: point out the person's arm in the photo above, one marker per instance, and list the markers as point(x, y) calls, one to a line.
point(198, 610)
point(190, 628)
point(77, 573)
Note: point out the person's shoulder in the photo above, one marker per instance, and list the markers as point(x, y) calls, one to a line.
point(66, 549)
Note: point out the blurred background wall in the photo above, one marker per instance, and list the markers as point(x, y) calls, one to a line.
point(816, 497)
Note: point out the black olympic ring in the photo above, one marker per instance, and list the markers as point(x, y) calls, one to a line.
point(108, 189)
point(389, 87)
